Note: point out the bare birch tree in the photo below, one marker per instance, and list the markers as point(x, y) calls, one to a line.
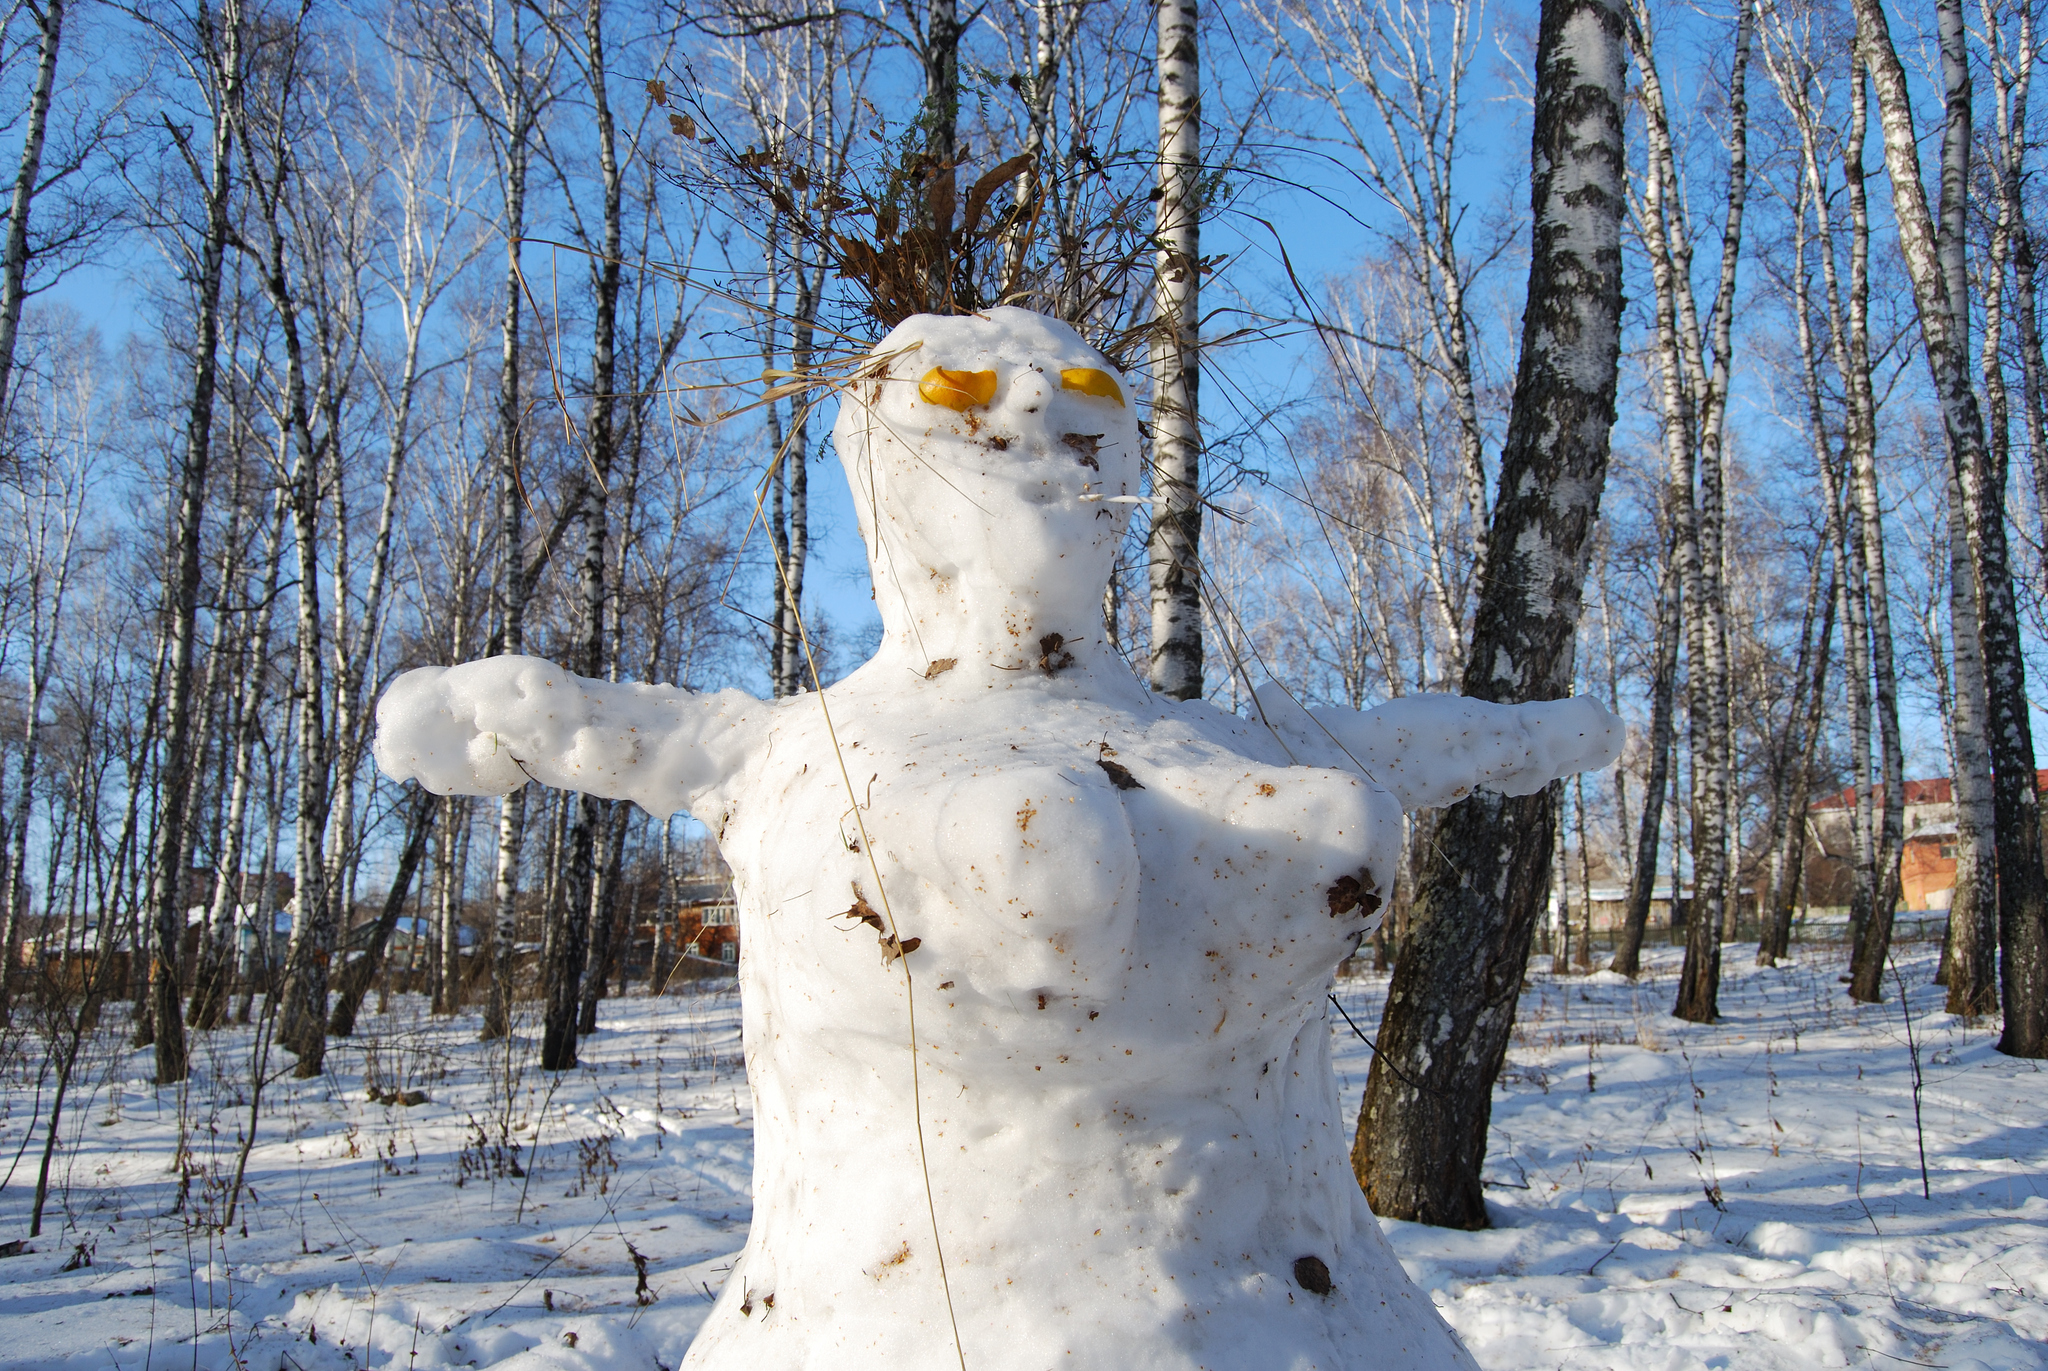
point(1932, 260)
point(1174, 546)
point(1422, 1129)
point(211, 46)
point(1408, 65)
point(1696, 363)
point(503, 69)
point(28, 181)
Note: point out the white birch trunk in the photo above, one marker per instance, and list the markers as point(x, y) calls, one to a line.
point(2022, 891)
point(1174, 546)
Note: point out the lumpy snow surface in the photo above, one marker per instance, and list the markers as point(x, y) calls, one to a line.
point(380, 1236)
point(1113, 1137)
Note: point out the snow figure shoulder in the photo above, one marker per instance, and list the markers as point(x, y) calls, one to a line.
point(1115, 916)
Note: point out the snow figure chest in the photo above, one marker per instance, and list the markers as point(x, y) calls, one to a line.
point(1067, 887)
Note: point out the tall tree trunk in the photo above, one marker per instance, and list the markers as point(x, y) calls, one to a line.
point(1667, 241)
point(353, 652)
point(1848, 313)
point(566, 942)
point(796, 542)
point(1707, 671)
point(1422, 1129)
point(1642, 878)
point(1970, 951)
point(230, 887)
point(1789, 862)
point(1973, 902)
point(1786, 754)
point(2033, 366)
point(453, 862)
point(128, 898)
point(940, 57)
point(44, 580)
point(566, 951)
point(2022, 890)
point(789, 475)
point(224, 693)
point(1872, 949)
point(1560, 891)
point(1176, 537)
point(1053, 37)
point(511, 588)
point(1583, 958)
point(1623, 824)
point(604, 915)
point(354, 980)
point(223, 47)
point(14, 257)
point(1849, 323)
point(302, 1021)
point(783, 645)
point(1840, 524)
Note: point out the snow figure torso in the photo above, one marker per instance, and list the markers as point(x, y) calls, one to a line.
point(1131, 1122)
point(1115, 918)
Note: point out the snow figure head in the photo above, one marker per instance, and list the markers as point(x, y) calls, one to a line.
point(987, 453)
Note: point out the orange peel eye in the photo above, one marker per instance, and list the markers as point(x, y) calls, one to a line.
point(960, 390)
point(1089, 381)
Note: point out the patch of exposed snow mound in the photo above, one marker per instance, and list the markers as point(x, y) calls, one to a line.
point(1119, 916)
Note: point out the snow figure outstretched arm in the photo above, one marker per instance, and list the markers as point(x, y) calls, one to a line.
point(486, 728)
point(1433, 749)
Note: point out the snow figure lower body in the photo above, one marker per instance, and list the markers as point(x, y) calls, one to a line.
point(1078, 1234)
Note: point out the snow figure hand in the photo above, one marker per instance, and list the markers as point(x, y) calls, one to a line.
point(486, 728)
point(1435, 749)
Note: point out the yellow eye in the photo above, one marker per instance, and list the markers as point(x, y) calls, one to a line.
point(957, 389)
point(1089, 381)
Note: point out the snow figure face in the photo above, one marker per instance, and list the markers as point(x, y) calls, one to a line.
point(985, 453)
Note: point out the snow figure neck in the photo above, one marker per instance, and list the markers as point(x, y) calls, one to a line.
point(1116, 917)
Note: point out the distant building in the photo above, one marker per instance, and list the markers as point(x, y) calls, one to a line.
point(1610, 906)
point(1927, 864)
point(697, 935)
point(708, 920)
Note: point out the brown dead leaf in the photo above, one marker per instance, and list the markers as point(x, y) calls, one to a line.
point(1353, 892)
point(862, 913)
point(1085, 446)
point(987, 184)
point(1053, 657)
point(940, 667)
point(1121, 778)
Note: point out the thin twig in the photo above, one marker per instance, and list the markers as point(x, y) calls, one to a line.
point(1913, 1054)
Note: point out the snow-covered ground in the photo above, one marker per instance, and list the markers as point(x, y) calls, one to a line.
point(1665, 1196)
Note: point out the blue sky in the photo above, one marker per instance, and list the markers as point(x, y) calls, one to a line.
point(1321, 223)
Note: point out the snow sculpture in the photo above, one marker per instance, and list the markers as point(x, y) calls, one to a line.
point(1118, 915)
